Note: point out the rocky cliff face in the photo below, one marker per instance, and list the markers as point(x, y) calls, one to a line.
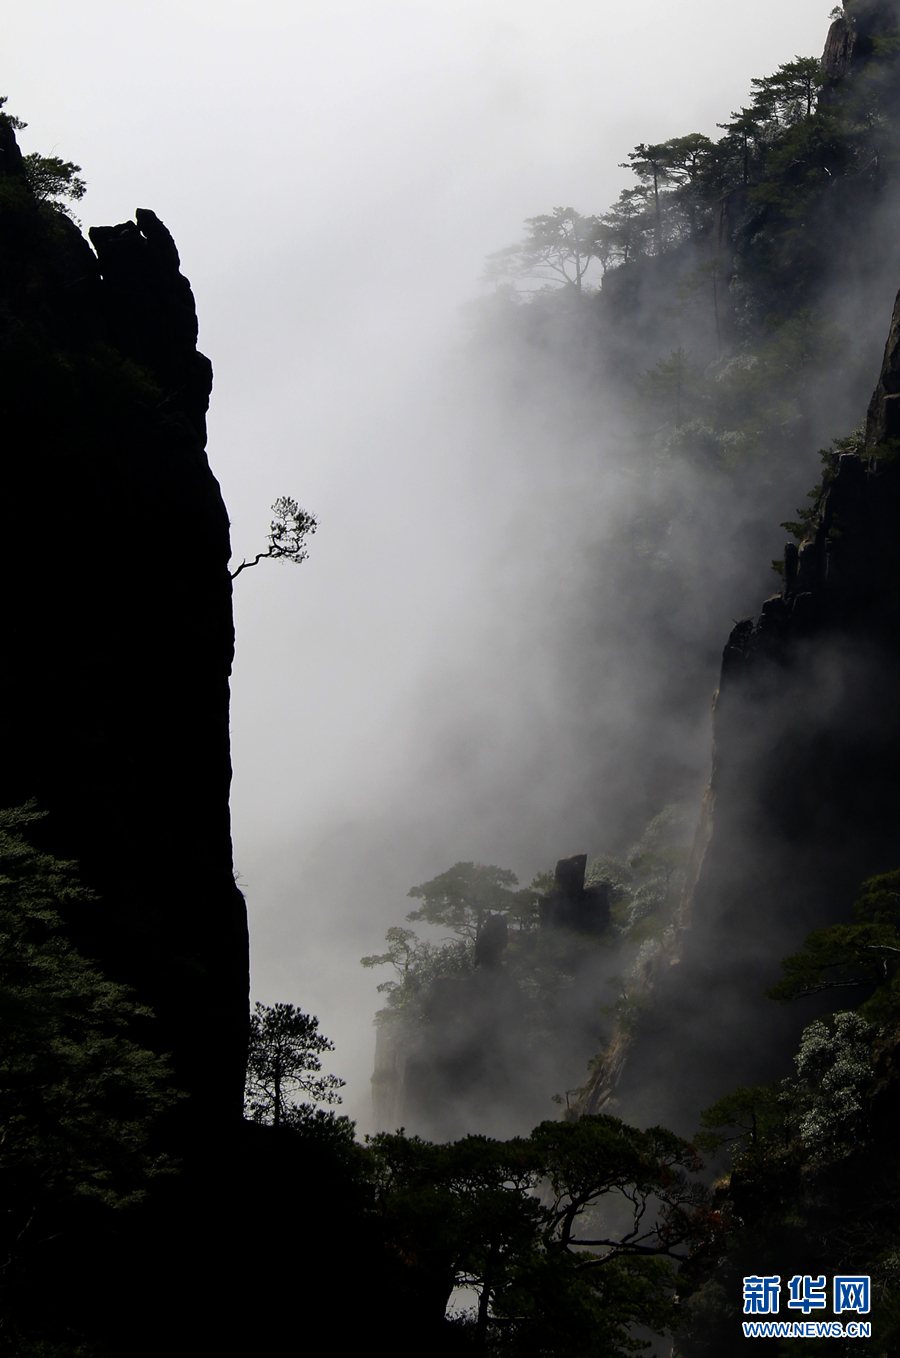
point(864, 30)
point(803, 802)
point(854, 36)
point(117, 626)
point(837, 58)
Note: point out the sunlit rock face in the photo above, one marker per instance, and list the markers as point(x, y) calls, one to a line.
point(118, 636)
point(804, 799)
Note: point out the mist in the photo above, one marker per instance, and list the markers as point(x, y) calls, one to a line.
point(461, 670)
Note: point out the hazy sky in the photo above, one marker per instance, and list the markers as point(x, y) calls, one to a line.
point(334, 175)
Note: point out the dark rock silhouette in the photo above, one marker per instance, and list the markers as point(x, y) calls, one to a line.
point(117, 631)
point(491, 942)
point(117, 647)
point(573, 905)
point(149, 308)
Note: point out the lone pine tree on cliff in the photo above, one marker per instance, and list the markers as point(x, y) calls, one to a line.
point(288, 532)
point(559, 248)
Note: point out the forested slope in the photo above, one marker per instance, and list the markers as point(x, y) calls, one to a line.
point(744, 300)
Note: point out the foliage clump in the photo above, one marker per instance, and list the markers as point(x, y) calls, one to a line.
point(559, 248)
point(283, 1060)
point(559, 974)
point(570, 1237)
point(719, 256)
point(53, 182)
point(79, 1096)
point(681, 180)
point(864, 954)
point(812, 1181)
point(645, 885)
point(461, 901)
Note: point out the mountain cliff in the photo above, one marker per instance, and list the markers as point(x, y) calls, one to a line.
point(803, 800)
point(118, 636)
point(118, 643)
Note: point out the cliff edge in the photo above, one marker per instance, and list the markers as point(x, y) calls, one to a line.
point(803, 801)
point(118, 635)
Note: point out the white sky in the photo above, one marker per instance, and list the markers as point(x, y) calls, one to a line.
point(334, 175)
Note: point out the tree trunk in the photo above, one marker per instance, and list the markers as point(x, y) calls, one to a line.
point(484, 1302)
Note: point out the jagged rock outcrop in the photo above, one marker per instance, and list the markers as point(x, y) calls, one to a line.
point(803, 801)
point(117, 629)
point(837, 58)
point(854, 37)
point(572, 905)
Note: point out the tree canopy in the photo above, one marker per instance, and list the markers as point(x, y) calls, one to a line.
point(79, 1097)
point(463, 897)
point(865, 954)
point(51, 179)
point(785, 147)
point(811, 1175)
point(282, 1061)
point(549, 1270)
point(790, 94)
point(559, 248)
